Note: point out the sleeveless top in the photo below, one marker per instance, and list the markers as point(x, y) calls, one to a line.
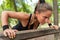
point(20, 27)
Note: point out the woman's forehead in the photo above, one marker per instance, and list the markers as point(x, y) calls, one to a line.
point(47, 13)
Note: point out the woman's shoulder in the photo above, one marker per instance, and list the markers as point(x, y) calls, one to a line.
point(18, 15)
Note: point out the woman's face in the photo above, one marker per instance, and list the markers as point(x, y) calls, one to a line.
point(43, 17)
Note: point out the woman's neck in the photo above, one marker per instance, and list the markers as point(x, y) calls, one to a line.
point(35, 18)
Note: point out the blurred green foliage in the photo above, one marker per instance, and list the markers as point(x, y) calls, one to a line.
point(15, 5)
point(20, 6)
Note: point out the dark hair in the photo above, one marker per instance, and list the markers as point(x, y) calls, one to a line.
point(41, 7)
point(42, 1)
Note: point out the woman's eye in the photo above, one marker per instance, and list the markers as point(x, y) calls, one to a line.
point(45, 17)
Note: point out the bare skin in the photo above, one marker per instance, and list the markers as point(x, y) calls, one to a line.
point(42, 18)
point(23, 17)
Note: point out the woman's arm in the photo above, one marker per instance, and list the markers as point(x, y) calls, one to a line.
point(18, 15)
point(11, 33)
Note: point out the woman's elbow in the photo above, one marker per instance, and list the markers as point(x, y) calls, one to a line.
point(4, 12)
point(4, 15)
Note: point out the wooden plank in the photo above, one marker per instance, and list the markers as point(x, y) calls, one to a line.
point(2, 37)
point(36, 33)
point(27, 34)
point(47, 37)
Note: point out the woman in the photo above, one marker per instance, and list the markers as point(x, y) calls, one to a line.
point(41, 15)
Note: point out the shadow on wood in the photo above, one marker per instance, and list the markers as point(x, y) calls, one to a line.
point(28, 34)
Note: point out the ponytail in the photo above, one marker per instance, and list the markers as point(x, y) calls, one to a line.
point(40, 1)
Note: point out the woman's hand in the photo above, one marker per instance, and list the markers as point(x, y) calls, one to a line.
point(54, 27)
point(11, 33)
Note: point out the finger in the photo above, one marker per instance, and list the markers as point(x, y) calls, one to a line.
point(8, 33)
point(15, 30)
point(14, 34)
point(11, 33)
point(55, 27)
point(5, 34)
